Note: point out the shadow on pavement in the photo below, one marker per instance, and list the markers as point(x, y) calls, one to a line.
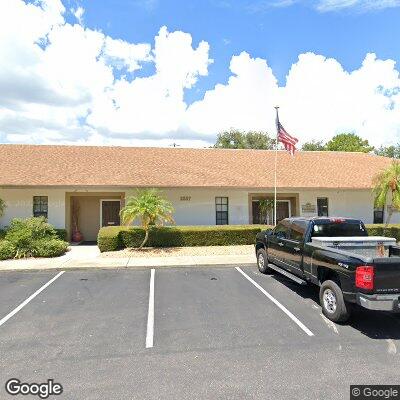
point(374, 324)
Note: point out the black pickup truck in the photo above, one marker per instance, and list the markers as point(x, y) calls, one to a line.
point(345, 277)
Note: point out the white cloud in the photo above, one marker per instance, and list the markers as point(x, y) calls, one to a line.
point(66, 83)
point(326, 5)
point(78, 13)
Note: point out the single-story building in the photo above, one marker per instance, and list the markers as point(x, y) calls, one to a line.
point(205, 186)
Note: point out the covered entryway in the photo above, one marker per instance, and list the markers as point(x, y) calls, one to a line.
point(88, 212)
point(262, 208)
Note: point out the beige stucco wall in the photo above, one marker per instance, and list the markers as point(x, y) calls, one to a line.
point(199, 210)
point(20, 204)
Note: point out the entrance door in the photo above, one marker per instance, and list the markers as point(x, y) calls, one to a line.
point(110, 212)
point(282, 210)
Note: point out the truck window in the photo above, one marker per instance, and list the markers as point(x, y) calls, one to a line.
point(298, 230)
point(282, 230)
point(338, 229)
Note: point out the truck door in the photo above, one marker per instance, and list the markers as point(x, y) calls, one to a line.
point(294, 246)
point(277, 243)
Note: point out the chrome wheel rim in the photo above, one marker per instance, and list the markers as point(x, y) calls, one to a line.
point(329, 299)
point(261, 262)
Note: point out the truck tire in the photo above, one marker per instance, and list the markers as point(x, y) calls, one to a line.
point(262, 262)
point(333, 305)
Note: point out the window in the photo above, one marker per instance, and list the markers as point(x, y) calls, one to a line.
point(322, 205)
point(282, 230)
point(40, 206)
point(221, 208)
point(345, 229)
point(378, 215)
point(298, 230)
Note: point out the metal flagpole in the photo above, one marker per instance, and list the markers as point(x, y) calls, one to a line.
point(276, 159)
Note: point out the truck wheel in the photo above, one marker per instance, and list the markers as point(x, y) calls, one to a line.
point(262, 262)
point(333, 305)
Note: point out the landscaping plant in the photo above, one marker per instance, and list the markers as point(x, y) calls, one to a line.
point(32, 237)
point(388, 182)
point(2, 207)
point(150, 208)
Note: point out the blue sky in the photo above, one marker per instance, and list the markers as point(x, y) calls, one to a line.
point(275, 33)
point(155, 72)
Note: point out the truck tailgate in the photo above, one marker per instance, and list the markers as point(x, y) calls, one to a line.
point(387, 275)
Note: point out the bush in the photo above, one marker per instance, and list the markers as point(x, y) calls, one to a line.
point(61, 234)
point(2, 234)
point(117, 237)
point(379, 230)
point(29, 237)
point(50, 247)
point(7, 250)
point(109, 238)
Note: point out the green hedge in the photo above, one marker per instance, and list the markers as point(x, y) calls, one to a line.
point(2, 234)
point(118, 237)
point(379, 230)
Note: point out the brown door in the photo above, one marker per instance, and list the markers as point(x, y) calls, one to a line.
point(110, 212)
point(256, 212)
point(282, 210)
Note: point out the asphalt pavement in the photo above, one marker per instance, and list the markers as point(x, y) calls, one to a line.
point(190, 333)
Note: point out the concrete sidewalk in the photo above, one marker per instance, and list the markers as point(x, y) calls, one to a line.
point(89, 257)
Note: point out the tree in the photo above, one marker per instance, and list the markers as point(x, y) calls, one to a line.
point(390, 151)
point(150, 207)
point(348, 142)
point(266, 206)
point(314, 145)
point(2, 207)
point(388, 182)
point(236, 139)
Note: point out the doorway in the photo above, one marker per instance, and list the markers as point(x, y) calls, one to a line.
point(283, 210)
point(109, 212)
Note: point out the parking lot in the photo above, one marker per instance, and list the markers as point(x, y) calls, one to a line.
point(186, 333)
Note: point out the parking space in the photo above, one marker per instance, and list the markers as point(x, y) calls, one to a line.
point(218, 333)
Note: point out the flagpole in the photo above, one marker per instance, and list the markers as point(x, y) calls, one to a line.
point(276, 161)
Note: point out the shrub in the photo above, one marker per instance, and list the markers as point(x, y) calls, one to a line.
point(50, 247)
point(114, 238)
point(109, 238)
point(2, 234)
point(61, 234)
point(29, 235)
point(7, 250)
point(379, 230)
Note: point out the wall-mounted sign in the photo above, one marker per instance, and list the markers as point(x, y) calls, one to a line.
point(308, 208)
point(186, 198)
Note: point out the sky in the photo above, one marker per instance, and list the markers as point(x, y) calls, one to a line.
point(158, 72)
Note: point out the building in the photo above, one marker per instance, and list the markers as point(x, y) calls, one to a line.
point(205, 186)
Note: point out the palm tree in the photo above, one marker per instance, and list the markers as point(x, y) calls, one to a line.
point(2, 207)
point(388, 181)
point(150, 207)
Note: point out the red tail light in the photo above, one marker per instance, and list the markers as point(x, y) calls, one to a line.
point(365, 277)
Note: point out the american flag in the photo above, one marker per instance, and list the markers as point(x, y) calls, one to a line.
point(287, 140)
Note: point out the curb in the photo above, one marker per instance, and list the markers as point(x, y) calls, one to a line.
point(124, 267)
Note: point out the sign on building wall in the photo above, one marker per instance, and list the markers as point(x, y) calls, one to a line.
point(308, 208)
point(186, 198)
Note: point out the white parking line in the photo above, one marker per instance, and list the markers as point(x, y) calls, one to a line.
point(31, 297)
point(150, 316)
point(276, 302)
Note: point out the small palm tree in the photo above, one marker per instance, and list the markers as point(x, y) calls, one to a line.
point(2, 207)
point(388, 181)
point(150, 207)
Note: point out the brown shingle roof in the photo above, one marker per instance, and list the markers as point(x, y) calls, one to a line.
point(32, 165)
